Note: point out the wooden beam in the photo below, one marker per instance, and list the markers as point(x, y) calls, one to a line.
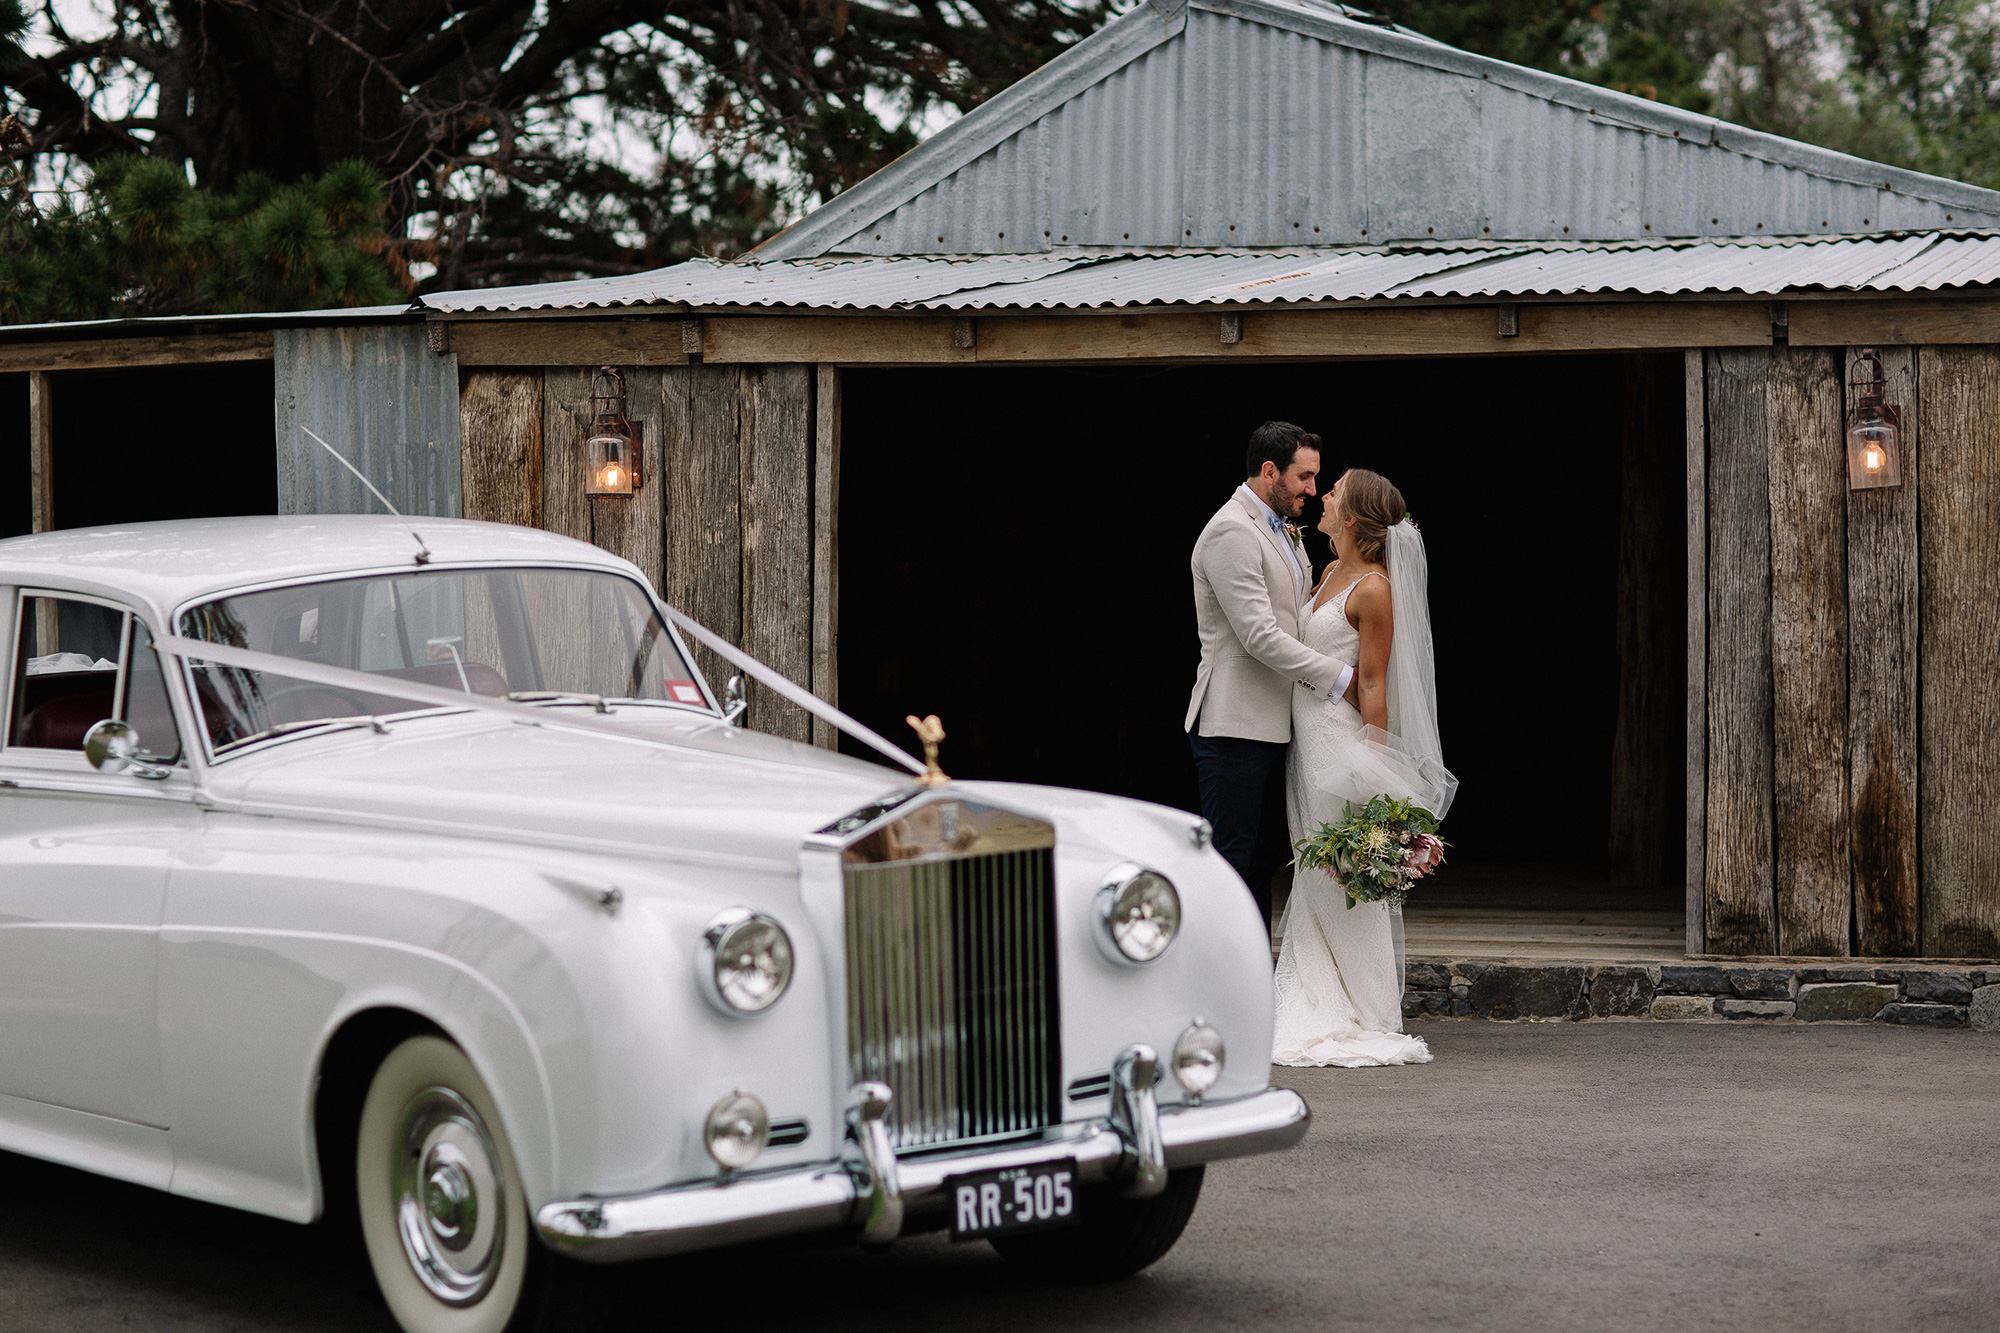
point(41, 453)
point(1912, 320)
point(826, 549)
point(1882, 599)
point(1191, 335)
point(500, 446)
point(1958, 654)
point(530, 341)
point(777, 474)
point(840, 339)
point(179, 349)
point(1740, 908)
point(1697, 646)
point(1808, 525)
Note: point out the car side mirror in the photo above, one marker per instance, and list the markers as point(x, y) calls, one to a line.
point(113, 747)
point(734, 702)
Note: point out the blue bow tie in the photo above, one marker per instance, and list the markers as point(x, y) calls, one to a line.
point(1277, 524)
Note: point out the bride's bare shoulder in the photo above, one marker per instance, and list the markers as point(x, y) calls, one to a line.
point(1371, 592)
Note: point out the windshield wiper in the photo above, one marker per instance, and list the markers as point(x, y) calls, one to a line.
point(331, 723)
point(596, 701)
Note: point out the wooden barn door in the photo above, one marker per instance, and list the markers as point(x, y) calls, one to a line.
point(1825, 819)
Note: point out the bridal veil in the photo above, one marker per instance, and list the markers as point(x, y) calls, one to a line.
point(1407, 760)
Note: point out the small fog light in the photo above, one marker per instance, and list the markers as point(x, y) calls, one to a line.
point(737, 1130)
point(1138, 914)
point(1198, 1058)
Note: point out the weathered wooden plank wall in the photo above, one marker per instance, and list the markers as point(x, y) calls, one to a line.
point(826, 547)
point(728, 522)
point(565, 425)
point(1740, 908)
point(1959, 650)
point(704, 504)
point(1695, 367)
point(1852, 660)
point(1808, 494)
point(777, 480)
point(1882, 599)
point(500, 446)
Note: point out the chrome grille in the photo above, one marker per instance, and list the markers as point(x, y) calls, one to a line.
point(951, 993)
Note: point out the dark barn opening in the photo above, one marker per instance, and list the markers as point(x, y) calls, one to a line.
point(17, 512)
point(1014, 557)
point(162, 442)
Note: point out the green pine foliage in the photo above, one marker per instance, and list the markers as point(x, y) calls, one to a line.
point(140, 239)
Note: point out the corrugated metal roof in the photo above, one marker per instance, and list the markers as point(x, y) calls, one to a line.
point(1218, 124)
point(144, 325)
point(1927, 261)
point(829, 284)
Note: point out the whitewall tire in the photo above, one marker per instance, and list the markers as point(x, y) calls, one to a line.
point(442, 1212)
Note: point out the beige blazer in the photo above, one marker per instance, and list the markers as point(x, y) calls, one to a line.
point(1247, 607)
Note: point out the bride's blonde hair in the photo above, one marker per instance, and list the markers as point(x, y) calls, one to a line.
point(1375, 505)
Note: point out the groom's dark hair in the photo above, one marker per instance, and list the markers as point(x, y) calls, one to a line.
point(1276, 442)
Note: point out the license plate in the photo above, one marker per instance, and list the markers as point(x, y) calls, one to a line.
point(1015, 1198)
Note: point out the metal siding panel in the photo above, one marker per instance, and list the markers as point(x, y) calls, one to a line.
point(1424, 174)
point(386, 401)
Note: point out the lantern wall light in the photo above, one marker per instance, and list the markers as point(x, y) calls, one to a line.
point(614, 443)
point(1874, 428)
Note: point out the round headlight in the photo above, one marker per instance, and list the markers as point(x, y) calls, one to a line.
point(737, 1130)
point(1198, 1058)
point(1139, 914)
point(745, 962)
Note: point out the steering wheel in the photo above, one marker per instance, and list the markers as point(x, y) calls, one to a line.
point(345, 696)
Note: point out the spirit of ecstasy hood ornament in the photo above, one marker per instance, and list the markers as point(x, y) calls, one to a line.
point(930, 731)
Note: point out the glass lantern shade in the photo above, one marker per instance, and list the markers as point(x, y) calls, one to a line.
point(611, 464)
point(1874, 453)
point(1874, 427)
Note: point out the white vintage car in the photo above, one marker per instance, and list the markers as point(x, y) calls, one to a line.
point(410, 872)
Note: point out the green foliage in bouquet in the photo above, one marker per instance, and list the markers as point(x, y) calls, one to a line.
point(1378, 851)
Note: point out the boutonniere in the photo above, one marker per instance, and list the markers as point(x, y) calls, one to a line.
point(1293, 535)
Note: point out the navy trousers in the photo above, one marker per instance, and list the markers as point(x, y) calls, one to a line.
point(1242, 785)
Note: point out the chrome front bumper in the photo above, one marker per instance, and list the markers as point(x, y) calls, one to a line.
point(870, 1199)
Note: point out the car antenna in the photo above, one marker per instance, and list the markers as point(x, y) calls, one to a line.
point(423, 551)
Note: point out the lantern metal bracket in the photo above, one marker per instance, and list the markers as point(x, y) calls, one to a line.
point(614, 446)
point(1874, 427)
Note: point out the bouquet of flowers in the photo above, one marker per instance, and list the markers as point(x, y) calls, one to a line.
point(1378, 851)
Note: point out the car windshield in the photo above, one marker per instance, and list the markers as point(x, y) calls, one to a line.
point(551, 635)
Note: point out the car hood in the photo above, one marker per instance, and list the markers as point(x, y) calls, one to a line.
point(678, 788)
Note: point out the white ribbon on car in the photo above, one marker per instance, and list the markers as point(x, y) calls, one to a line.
point(343, 678)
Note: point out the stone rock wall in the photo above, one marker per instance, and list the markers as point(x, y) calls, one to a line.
point(1912, 995)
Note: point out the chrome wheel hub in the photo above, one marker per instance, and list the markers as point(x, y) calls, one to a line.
point(450, 1196)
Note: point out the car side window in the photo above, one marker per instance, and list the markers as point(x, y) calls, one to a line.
point(67, 678)
point(65, 671)
point(146, 707)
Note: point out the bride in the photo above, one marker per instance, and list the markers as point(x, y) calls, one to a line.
point(1340, 971)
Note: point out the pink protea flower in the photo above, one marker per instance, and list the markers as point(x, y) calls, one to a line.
point(1425, 855)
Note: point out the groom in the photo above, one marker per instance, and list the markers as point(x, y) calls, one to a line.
point(1250, 580)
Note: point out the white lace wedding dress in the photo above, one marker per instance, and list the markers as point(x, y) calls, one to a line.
point(1340, 970)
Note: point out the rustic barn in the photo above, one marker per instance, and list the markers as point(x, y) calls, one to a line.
point(945, 443)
